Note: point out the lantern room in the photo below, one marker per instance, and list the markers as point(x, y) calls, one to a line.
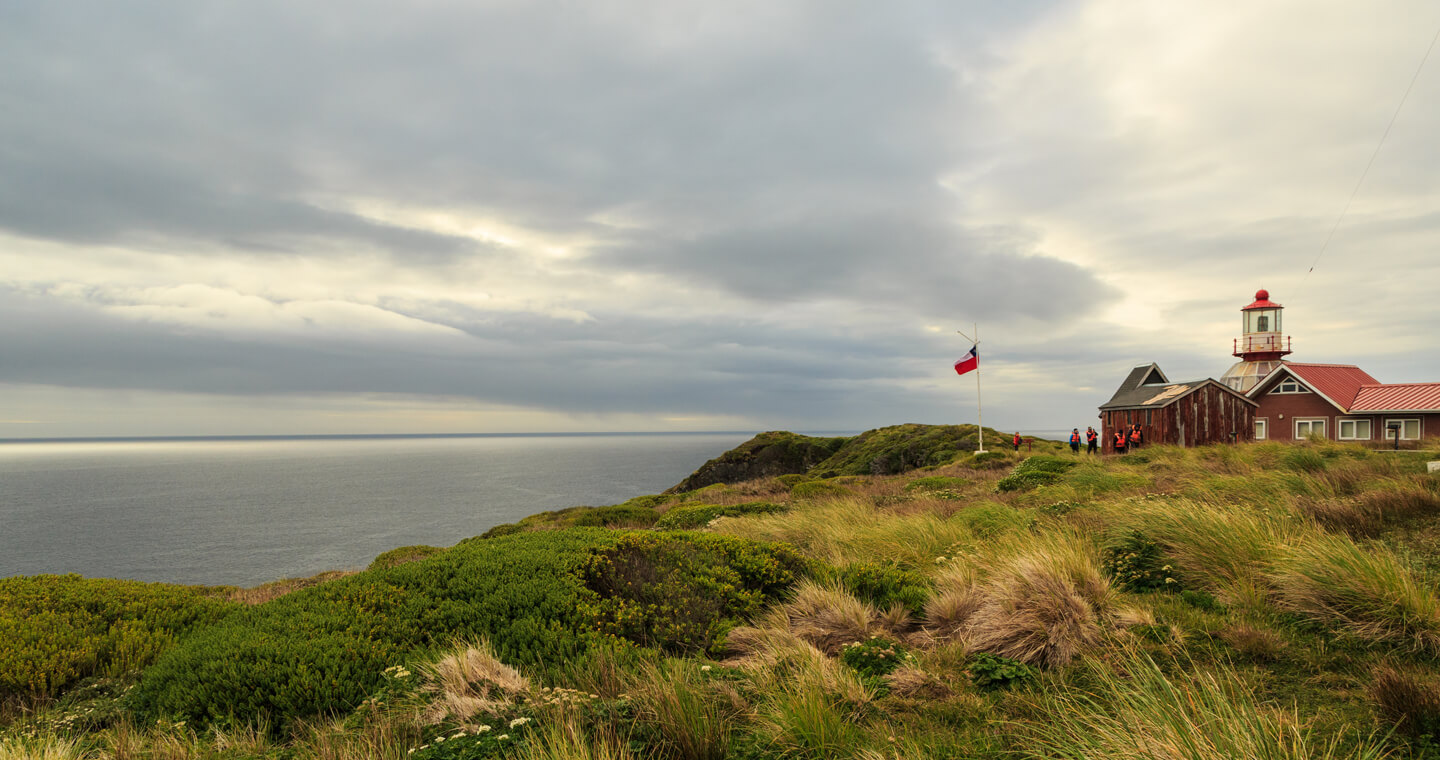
point(1261, 343)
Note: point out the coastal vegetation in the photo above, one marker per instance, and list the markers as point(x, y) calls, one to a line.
point(904, 600)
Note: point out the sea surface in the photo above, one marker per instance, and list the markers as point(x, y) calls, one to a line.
point(248, 511)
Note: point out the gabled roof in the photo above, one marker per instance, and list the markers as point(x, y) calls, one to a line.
point(1336, 383)
point(1397, 397)
point(1146, 387)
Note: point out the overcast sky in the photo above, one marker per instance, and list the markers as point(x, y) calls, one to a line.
point(353, 217)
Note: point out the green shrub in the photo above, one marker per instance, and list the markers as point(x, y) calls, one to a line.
point(989, 520)
point(815, 489)
point(990, 671)
point(699, 515)
point(617, 516)
point(57, 629)
point(503, 529)
point(1201, 600)
point(322, 650)
point(938, 487)
point(1136, 563)
point(682, 592)
point(1035, 471)
point(790, 479)
point(403, 554)
point(886, 585)
point(1061, 508)
point(875, 657)
point(500, 738)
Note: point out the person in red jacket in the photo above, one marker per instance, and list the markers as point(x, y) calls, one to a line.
point(1120, 441)
point(1017, 440)
point(1075, 440)
point(1092, 440)
point(1135, 437)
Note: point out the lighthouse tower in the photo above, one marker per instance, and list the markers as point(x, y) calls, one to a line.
point(1260, 345)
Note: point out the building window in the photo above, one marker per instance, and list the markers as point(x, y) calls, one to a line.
point(1260, 425)
point(1409, 429)
point(1307, 428)
point(1290, 386)
point(1354, 430)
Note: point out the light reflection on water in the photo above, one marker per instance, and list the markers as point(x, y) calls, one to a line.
point(245, 512)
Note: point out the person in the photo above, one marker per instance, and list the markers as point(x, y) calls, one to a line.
point(1075, 440)
point(1120, 441)
point(1017, 440)
point(1135, 436)
point(1092, 440)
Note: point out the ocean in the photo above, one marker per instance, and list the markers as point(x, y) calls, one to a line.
point(248, 511)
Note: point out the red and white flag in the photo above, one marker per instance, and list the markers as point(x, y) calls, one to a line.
point(968, 362)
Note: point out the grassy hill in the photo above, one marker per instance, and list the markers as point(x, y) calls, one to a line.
point(1255, 601)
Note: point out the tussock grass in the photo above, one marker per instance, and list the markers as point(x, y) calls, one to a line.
point(829, 617)
point(468, 681)
point(1204, 715)
point(1407, 699)
point(567, 739)
point(1367, 592)
point(1044, 605)
point(44, 748)
point(695, 716)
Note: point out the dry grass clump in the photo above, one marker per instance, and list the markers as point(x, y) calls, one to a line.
point(45, 748)
point(1042, 605)
point(1253, 643)
point(468, 681)
point(1146, 715)
point(1367, 592)
point(1349, 516)
point(778, 660)
point(829, 617)
point(1400, 502)
point(1407, 699)
point(911, 682)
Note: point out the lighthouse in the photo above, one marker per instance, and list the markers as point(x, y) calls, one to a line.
point(1260, 346)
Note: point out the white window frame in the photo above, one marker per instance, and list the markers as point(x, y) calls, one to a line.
point(1419, 428)
point(1262, 428)
point(1340, 429)
point(1311, 422)
point(1299, 387)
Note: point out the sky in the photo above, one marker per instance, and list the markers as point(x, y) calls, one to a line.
point(273, 217)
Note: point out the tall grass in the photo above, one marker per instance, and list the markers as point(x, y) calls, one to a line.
point(694, 716)
point(852, 529)
point(44, 748)
point(1367, 591)
point(1145, 714)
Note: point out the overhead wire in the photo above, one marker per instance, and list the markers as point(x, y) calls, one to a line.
point(1373, 154)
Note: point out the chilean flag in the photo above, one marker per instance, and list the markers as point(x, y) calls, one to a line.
point(968, 362)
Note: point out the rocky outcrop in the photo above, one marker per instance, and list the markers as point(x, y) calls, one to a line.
point(764, 456)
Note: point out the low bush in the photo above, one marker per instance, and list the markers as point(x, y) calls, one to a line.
point(874, 657)
point(616, 516)
point(990, 671)
point(817, 489)
point(57, 629)
point(1136, 563)
point(700, 515)
point(886, 585)
point(1201, 600)
point(1035, 471)
point(681, 592)
point(990, 520)
point(322, 650)
point(402, 555)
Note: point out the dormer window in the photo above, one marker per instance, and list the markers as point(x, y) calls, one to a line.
point(1290, 386)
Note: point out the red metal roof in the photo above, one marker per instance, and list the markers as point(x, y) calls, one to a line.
point(1337, 382)
point(1398, 397)
point(1262, 301)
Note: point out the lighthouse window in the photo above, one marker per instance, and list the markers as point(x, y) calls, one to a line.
point(1263, 323)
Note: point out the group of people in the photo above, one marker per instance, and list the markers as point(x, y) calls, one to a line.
point(1123, 440)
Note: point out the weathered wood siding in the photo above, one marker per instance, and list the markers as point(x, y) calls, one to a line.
point(1207, 415)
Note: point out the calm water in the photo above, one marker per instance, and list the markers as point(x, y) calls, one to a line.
point(244, 512)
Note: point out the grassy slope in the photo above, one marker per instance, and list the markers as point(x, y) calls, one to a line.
point(1280, 601)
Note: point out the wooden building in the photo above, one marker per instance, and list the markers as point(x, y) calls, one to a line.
point(1191, 413)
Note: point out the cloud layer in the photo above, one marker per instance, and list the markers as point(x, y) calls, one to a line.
point(763, 215)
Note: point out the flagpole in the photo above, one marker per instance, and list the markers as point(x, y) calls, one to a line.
point(979, 411)
point(979, 414)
